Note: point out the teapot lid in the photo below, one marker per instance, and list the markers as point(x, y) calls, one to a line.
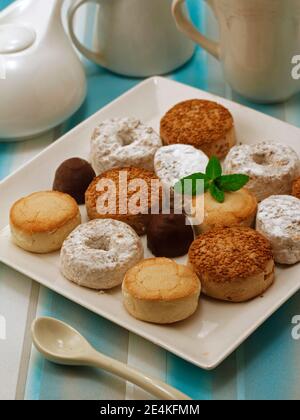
point(15, 38)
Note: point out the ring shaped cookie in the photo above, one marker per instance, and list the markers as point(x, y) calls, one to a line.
point(272, 167)
point(99, 253)
point(122, 142)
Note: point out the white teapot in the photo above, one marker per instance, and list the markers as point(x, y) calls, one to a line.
point(134, 37)
point(42, 81)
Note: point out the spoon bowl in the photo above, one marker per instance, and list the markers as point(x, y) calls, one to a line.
point(59, 342)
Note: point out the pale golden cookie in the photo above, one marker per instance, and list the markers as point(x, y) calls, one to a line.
point(42, 221)
point(238, 209)
point(160, 291)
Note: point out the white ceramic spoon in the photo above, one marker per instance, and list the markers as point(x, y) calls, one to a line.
point(61, 344)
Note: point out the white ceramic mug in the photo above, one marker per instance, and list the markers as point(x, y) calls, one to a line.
point(258, 39)
point(135, 37)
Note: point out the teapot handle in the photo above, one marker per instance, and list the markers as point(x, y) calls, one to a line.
point(185, 26)
point(91, 55)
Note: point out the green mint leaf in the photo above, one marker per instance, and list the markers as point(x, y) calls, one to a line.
point(232, 182)
point(190, 186)
point(214, 169)
point(217, 193)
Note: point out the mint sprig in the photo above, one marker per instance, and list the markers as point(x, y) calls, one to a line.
point(217, 193)
point(214, 182)
point(232, 182)
point(214, 169)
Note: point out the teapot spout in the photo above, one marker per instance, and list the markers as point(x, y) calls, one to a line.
point(56, 8)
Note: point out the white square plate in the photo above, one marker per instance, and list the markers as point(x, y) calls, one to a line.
point(217, 328)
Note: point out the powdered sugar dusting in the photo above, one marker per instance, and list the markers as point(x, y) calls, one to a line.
point(122, 142)
point(278, 219)
point(98, 254)
point(272, 167)
point(172, 163)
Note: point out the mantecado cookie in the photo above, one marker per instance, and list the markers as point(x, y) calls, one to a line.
point(41, 221)
point(160, 291)
point(206, 125)
point(117, 194)
point(233, 264)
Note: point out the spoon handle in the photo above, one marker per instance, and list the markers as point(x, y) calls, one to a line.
point(157, 388)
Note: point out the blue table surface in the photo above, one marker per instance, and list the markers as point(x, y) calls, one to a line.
point(266, 366)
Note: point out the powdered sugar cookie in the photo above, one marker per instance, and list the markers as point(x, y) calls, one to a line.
point(278, 219)
point(272, 167)
point(172, 163)
point(99, 253)
point(122, 142)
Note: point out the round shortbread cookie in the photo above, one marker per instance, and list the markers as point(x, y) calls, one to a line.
point(41, 221)
point(238, 209)
point(160, 291)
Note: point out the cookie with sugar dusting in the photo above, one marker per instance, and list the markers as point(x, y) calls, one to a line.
point(172, 163)
point(97, 254)
point(278, 219)
point(272, 167)
point(121, 142)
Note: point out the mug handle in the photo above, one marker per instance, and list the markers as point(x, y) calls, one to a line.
point(185, 26)
point(91, 55)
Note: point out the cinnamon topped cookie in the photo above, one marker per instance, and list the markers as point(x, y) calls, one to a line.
point(233, 264)
point(206, 125)
point(296, 188)
point(125, 194)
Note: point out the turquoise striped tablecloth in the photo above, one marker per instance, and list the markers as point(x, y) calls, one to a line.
point(267, 366)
